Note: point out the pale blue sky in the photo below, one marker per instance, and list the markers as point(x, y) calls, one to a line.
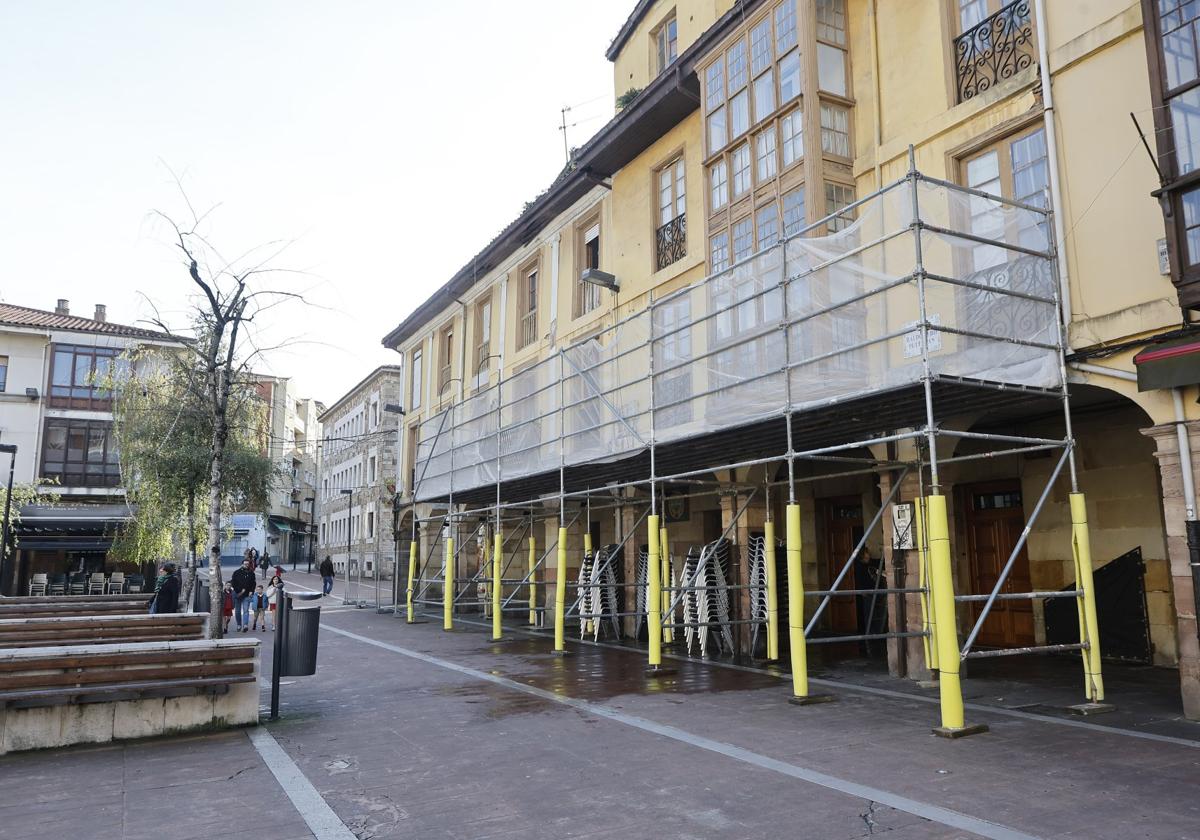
point(390, 140)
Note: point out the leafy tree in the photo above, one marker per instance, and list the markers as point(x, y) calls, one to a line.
point(22, 494)
point(164, 432)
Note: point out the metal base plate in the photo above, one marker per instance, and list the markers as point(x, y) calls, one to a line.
point(560, 653)
point(1088, 709)
point(959, 732)
point(659, 671)
point(811, 699)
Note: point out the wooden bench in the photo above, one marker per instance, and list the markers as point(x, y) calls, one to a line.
point(54, 696)
point(100, 629)
point(65, 605)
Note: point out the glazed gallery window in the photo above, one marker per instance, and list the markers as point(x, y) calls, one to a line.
point(78, 376)
point(838, 196)
point(793, 211)
point(718, 177)
point(3, 373)
point(80, 453)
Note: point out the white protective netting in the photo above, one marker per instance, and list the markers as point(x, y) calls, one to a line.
point(809, 321)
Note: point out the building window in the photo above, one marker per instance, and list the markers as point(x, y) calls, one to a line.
point(764, 95)
point(80, 453)
point(739, 114)
point(3, 372)
point(718, 177)
point(831, 69)
point(371, 469)
point(761, 53)
point(838, 196)
point(835, 130)
point(743, 239)
point(714, 85)
point(78, 374)
point(587, 295)
point(767, 226)
point(717, 130)
point(446, 358)
point(736, 61)
point(1185, 129)
point(718, 249)
point(483, 339)
point(1015, 168)
point(741, 170)
point(792, 129)
point(785, 27)
point(789, 77)
point(831, 21)
point(670, 239)
point(996, 43)
point(528, 307)
point(414, 400)
point(766, 154)
point(1191, 226)
point(666, 41)
point(370, 524)
point(793, 211)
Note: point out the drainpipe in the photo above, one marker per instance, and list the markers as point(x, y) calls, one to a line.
point(1056, 200)
point(1184, 443)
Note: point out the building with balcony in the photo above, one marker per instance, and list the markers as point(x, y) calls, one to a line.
point(359, 475)
point(838, 264)
point(55, 409)
point(290, 436)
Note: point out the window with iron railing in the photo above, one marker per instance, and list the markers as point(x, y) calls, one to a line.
point(670, 238)
point(527, 329)
point(994, 48)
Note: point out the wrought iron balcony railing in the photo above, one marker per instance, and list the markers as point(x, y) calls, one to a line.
point(995, 49)
point(670, 242)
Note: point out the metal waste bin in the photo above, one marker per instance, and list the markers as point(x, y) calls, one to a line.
point(202, 602)
point(300, 636)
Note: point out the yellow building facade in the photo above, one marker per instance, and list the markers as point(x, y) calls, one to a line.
point(748, 126)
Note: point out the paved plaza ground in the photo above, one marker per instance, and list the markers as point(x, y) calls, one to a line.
point(407, 731)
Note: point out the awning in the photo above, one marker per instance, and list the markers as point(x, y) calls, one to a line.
point(279, 523)
point(69, 528)
point(1171, 364)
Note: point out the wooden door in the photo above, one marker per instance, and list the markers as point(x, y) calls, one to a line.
point(843, 529)
point(995, 518)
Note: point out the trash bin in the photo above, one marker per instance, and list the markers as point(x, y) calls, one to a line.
point(202, 601)
point(300, 640)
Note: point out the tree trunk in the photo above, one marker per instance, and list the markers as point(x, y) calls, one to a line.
point(189, 569)
point(215, 487)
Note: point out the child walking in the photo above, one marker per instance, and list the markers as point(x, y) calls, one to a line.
point(227, 607)
point(258, 606)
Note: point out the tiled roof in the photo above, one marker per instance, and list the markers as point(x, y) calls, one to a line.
point(23, 316)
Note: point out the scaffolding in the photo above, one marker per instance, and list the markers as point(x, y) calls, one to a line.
point(840, 351)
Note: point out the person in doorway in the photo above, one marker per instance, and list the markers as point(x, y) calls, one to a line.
point(226, 607)
point(274, 592)
point(258, 609)
point(870, 606)
point(243, 588)
point(166, 591)
point(326, 575)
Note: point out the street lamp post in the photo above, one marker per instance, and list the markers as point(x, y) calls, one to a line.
point(312, 528)
point(11, 449)
point(349, 525)
point(392, 408)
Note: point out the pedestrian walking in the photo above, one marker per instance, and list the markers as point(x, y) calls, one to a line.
point(274, 591)
point(227, 607)
point(326, 576)
point(264, 563)
point(243, 588)
point(166, 591)
point(258, 607)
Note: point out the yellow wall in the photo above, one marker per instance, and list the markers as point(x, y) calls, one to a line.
point(635, 65)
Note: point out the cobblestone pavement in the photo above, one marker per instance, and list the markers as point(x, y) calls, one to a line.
point(407, 731)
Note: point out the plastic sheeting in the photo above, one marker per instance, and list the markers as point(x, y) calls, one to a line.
point(809, 321)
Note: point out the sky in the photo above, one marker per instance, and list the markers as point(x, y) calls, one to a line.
point(369, 147)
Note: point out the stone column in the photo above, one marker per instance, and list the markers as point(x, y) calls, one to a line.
point(1167, 451)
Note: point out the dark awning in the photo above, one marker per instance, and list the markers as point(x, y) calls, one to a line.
point(1171, 364)
point(280, 523)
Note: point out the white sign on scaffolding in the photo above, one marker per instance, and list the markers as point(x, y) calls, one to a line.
point(902, 522)
point(912, 339)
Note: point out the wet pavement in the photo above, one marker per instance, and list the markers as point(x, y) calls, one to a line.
point(407, 731)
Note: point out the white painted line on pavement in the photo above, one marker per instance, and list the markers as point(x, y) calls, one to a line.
point(320, 818)
point(934, 813)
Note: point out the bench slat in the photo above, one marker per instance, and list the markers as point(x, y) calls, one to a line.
point(108, 660)
point(109, 694)
point(12, 682)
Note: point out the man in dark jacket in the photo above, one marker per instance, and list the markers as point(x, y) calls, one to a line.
point(326, 575)
point(166, 600)
point(243, 588)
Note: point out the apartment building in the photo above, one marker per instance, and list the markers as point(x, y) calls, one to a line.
point(291, 436)
point(813, 272)
point(359, 472)
point(55, 409)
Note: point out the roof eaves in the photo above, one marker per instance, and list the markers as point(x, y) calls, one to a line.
point(627, 29)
